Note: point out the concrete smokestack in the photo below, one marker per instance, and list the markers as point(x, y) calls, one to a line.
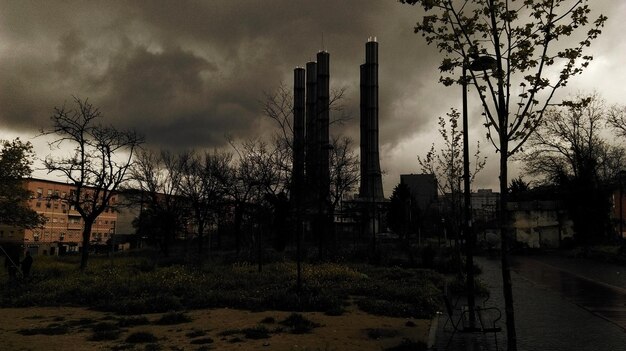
point(323, 117)
point(311, 153)
point(298, 132)
point(371, 178)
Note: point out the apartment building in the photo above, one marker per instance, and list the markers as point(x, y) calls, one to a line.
point(63, 229)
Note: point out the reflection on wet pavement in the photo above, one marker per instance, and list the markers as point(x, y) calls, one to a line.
point(603, 300)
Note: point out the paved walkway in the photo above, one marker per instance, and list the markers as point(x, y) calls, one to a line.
point(558, 306)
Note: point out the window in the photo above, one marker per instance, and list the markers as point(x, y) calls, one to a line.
point(64, 194)
point(39, 193)
point(54, 220)
point(48, 205)
point(38, 204)
point(49, 192)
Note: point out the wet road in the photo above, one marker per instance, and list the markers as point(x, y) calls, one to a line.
point(602, 299)
point(557, 308)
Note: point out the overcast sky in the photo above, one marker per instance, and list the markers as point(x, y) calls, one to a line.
point(187, 73)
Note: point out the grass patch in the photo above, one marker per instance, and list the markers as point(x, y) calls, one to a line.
point(229, 332)
point(139, 283)
point(201, 341)
point(172, 318)
point(256, 333)
point(101, 335)
point(152, 347)
point(82, 322)
point(37, 316)
point(298, 324)
point(195, 333)
point(105, 331)
point(50, 329)
point(141, 337)
point(268, 320)
point(132, 321)
point(380, 333)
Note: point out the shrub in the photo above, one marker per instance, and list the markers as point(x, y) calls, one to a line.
point(298, 324)
point(195, 333)
point(141, 337)
point(100, 335)
point(51, 329)
point(172, 318)
point(201, 341)
point(132, 321)
point(268, 320)
point(255, 333)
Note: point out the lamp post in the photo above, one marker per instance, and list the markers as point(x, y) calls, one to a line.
point(621, 212)
point(480, 63)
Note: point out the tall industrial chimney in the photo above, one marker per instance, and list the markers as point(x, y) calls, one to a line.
point(371, 178)
point(323, 117)
point(298, 132)
point(311, 153)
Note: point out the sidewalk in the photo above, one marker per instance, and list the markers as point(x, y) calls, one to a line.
point(474, 341)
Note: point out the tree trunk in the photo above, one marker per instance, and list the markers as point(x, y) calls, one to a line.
point(86, 240)
point(507, 287)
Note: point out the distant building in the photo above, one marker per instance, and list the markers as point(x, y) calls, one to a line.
point(63, 230)
point(539, 223)
point(618, 214)
point(484, 204)
point(423, 188)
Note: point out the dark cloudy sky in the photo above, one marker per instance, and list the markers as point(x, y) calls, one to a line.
point(187, 73)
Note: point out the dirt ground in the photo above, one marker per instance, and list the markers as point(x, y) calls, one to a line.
point(345, 332)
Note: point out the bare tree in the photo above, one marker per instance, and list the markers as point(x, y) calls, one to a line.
point(344, 170)
point(617, 119)
point(158, 176)
point(447, 166)
point(516, 41)
point(569, 150)
point(102, 156)
point(203, 185)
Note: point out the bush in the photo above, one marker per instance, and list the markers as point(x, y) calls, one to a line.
point(141, 337)
point(132, 321)
point(100, 335)
point(172, 318)
point(255, 333)
point(298, 324)
point(51, 329)
point(138, 284)
point(202, 341)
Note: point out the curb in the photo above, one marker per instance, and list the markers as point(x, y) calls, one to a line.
point(432, 334)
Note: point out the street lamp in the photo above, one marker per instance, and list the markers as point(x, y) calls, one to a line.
point(621, 212)
point(479, 63)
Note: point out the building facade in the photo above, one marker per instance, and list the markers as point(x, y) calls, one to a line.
point(63, 229)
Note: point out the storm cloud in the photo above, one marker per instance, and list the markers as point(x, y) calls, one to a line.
point(187, 73)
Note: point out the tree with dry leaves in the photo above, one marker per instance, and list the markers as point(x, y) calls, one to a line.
point(510, 53)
